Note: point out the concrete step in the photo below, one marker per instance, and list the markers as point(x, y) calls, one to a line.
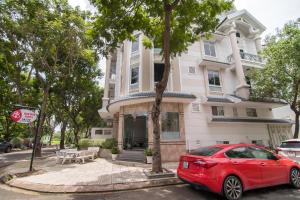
point(133, 156)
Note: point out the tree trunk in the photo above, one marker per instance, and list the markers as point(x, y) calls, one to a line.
point(76, 136)
point(160, 88)
point(38, 147)
point(63, 134)
point(296, 132)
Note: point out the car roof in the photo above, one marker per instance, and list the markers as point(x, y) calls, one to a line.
point(292, 140)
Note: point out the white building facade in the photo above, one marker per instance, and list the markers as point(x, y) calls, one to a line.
point(207, 97)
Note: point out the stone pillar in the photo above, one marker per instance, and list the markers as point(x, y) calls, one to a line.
point(242, 89)
point(118, 73)
point(181, 122)
point(107, 77)
point(121, 128)
point(258, 46)
point(115, 126)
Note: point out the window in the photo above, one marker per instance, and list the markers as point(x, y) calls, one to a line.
point(135, 45)
point(262, 154)
point(205, 151)
point(170, 126)
point(192, 70)
point(214, 78)
point(107, 132)
point(158, 71)
point(235, 112)
point(98, 132)
point(223, 142)
point(217, 110)
point(238, 34)
point(290, 144)
point(209, 48)
point(195, 107)
point(134, 75)
point(251, 112)
point(240, 152)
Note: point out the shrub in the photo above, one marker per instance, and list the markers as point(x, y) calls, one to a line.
point(85, 143)
point(148, 152)
point(115, 150)
point(16, 142)
point(109, 143)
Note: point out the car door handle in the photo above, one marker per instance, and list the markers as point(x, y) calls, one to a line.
point(235, 162)
point(262, 164)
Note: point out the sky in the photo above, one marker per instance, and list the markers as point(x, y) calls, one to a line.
point(271, 13)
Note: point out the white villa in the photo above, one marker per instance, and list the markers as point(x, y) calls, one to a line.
point(207, 97)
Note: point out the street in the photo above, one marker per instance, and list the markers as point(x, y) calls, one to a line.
point(177, 192)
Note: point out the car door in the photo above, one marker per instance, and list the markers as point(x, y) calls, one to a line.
point(274, 172)
point(244, 163)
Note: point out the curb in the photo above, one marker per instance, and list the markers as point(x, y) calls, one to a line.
point(46, 188)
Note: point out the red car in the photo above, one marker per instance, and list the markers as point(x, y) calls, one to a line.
point(231, 169)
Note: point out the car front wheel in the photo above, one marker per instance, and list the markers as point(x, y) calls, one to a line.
point(232, 188)
point(295, 177)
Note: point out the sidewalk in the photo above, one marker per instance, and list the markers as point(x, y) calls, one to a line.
point(94, 176)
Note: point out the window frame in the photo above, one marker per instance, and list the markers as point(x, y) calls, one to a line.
point(137, 40)
point(214, 73)
point(210, 45)
point(253, 109)
point(212, 112)
point(135, 67)
point(164, 116)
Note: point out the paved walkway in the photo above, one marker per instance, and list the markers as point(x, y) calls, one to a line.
point(93, 176)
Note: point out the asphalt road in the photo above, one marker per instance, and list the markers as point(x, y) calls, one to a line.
point(179, 192)
point(19, 156)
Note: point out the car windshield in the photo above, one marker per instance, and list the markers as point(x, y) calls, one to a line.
point(290, 144)
point(205, 151)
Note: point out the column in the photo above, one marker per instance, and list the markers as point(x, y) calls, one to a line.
point(121, 128)
point(115, 126)
point(181, 123)
point(242, 89)
point(257, 40)
point(118, 73)
point(105, 98)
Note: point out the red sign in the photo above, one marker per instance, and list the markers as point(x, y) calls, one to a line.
point(23, 116)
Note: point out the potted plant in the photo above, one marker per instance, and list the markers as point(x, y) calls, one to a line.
point(114, 152)
point(149, 154)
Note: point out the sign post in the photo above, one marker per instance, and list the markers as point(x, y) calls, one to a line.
point(26, 115)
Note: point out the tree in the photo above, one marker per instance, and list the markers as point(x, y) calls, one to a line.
point(171, 25)
point(280, 78)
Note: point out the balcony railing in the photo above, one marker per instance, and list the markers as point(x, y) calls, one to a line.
point(247, 57)
point(250, 57)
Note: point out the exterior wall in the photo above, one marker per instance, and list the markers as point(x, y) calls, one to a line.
point(200, 132)
point(196, 128)
point(103, 135)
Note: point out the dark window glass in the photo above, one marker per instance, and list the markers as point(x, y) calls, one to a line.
point(134, 75)
point(291, 144)
point(98, 132)
point(262, 154)
point(206, 151)
point(217, 110)
point(251, 112)
point(214, 78)
point(238, 34)
point(170, 125)
point(209, 48)
point(241, 152)
point(158, 71)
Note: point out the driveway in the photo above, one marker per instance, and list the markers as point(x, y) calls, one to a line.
point(178, 192)
point(19, 156)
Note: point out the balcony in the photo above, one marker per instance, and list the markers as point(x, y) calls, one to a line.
point(248, 60)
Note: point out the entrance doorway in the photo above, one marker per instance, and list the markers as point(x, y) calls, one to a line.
point(135, 132)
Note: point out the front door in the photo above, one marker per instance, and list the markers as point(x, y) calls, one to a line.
point(135, 132)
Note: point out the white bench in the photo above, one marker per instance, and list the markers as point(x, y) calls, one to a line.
point(82, 155)
point(64, 156)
